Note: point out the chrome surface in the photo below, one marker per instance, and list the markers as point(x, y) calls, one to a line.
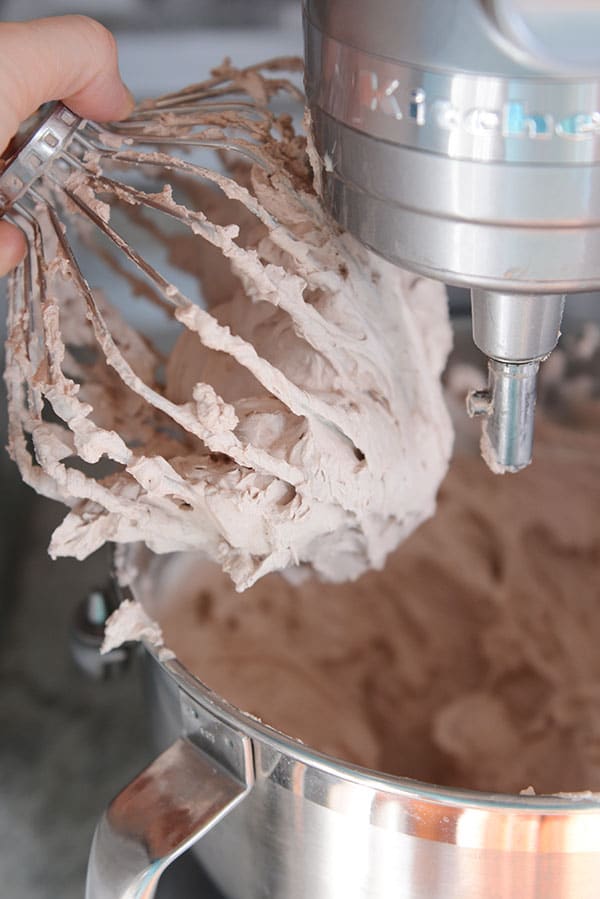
point(516, 332)
point(555, 33)
point(313, 827)
point(458, 114)
point(492, 225)
point(30, 159)
point(158, 816)
point(516, 328)
point(461, 139)
point(508, 405)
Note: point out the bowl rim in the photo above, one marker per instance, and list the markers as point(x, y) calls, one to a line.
point(405, 787)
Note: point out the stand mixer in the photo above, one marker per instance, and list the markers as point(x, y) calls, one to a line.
point(461, 140)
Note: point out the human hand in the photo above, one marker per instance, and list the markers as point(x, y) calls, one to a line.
point(69, 58)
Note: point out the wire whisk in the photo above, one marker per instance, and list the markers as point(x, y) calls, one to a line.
point(245, 451)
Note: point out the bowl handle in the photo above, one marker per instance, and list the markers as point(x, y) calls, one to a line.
point(160, 814)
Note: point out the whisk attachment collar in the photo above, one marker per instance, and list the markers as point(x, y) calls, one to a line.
point(32, 153)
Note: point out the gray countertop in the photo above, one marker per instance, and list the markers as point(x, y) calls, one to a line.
point(67, 744)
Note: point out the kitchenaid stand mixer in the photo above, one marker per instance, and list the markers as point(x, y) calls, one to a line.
point(461, 140)
point(299, 820)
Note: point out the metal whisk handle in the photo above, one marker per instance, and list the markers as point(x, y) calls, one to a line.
point(30, 154)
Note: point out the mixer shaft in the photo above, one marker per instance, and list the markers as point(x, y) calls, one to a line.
point(516, 332)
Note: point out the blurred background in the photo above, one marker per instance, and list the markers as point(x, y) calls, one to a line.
point(68, 743)
point(156, 15)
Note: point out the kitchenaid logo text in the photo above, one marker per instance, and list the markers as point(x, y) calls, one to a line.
point(513, 118)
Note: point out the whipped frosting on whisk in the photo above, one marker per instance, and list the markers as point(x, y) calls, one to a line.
point(301, 422)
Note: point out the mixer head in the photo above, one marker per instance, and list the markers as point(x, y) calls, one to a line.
point(462, 140)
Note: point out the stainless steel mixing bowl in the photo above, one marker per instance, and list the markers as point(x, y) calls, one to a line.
point(272, 819)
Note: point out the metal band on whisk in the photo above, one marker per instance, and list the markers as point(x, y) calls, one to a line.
point(29, 159)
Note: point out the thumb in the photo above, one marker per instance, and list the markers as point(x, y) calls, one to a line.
point(70, 58)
